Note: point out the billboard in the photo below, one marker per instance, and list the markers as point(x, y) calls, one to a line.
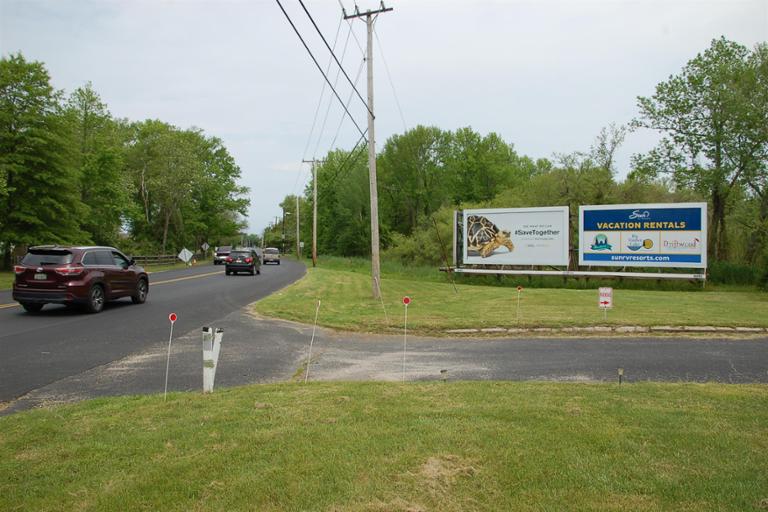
point(516, 236)
point(643, 235)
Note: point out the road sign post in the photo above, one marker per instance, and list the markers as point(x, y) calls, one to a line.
point(171, 318)
point(311, 342)
point(211, 349)
point(406, 301)
point(605, 300)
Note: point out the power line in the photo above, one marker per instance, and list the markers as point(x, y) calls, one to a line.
point(349, 99)
point(328, 110)
point(318, 66)
point(341, 167)
point(299, 174)
point(389, 77)
point(334, 56)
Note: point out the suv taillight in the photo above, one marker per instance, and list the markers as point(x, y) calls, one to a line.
point(19, 269)
point(69, 270)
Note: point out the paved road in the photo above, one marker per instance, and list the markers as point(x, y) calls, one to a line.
point(37, 350)
point(63, 356)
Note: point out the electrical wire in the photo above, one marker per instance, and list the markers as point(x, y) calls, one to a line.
point(349, 99)
point(347, 160)
point(334, 55)
point(389, 77)
point(299, 174)
point(328, 109)
point(318, 66)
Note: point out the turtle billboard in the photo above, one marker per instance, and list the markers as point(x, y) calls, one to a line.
point(644, 235)
point(516, 236)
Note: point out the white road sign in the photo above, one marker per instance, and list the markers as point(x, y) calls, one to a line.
point(605, 298)
point(185, 255)
point(205, 246)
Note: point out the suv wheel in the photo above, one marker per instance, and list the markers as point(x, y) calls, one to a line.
point(95, 299)
point(142, 288)
point(31, 307)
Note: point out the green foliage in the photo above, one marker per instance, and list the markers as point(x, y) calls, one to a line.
point(712, 117)
point(39, 201)
point(70, 173)
point(733, 273)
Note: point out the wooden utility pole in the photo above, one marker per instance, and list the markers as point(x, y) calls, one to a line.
point(298, 247)
point(314, 209)
point(370, 17)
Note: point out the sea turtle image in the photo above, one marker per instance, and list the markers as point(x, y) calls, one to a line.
point(483, 236)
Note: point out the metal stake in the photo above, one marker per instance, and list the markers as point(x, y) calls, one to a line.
point(311, 341)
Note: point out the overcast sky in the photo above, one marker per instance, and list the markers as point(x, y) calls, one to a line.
point(545, 75)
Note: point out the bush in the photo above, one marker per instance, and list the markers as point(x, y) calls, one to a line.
point(724, 272)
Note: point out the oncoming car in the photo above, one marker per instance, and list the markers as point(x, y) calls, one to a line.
point(221, 254)
point(85, 276)
point(271, 255)
point(243, 260)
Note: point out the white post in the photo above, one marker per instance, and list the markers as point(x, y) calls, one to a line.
point(405, 338)
point(311, 341)
point(211, 350)
point(168, 363)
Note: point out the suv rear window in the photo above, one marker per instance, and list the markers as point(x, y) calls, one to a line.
point(271, 251)
point(42, 257)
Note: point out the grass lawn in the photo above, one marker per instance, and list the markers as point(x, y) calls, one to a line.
point(6, 280)
point(435, 307)
point(392, 447)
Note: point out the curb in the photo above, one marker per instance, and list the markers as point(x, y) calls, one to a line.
point(623, 329)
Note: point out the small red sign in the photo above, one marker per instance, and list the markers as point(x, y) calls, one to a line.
point(519, 289)
point(172, 317)
point(406, 300)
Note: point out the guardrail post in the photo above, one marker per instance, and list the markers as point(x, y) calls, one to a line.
point(211, 348)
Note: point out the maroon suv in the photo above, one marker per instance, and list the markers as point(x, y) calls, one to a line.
point(87, 276)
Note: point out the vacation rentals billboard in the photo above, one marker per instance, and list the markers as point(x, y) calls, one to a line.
point(516, 236)
point(643, 235)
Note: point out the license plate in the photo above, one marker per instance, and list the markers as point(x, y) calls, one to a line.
point(41, 277)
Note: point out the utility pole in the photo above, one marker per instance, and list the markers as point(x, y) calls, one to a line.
point(370, 17)
point(314, 209)
point(298, 247)
point(283, 248)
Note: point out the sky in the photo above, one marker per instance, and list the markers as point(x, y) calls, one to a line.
point(545, 75)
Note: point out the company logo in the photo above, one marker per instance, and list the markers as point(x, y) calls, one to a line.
point(635, 243)
point(637, 214)
point(677, 244)
point(601, 243)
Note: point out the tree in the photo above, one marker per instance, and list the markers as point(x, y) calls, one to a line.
point(710, 138)
point(97, 146)
point(413, 179)
point(40, 200)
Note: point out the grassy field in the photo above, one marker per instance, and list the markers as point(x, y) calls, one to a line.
point(384, 447)
point(436, 307)
point(6, 280)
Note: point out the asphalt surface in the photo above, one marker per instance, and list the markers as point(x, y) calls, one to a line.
point(63, 356)
point(61, 342)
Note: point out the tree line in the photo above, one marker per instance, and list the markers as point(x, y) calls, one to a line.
point(72, 173)
point(713, 121)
